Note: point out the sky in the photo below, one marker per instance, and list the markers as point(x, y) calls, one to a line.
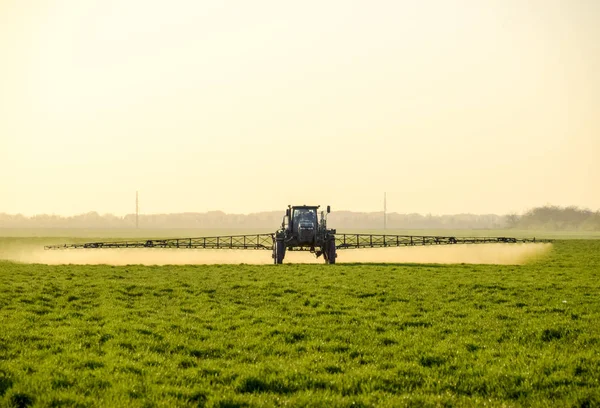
point(449, 106)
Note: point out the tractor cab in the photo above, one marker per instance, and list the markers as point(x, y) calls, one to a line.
point(304, 223)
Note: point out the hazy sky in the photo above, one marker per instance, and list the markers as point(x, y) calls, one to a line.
point(450, 106)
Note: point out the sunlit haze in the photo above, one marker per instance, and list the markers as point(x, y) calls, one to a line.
point(244, 106)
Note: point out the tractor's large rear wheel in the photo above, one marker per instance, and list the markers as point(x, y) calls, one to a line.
point(330, 252)
point(278, 252)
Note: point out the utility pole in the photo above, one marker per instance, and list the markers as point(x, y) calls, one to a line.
point(385, 210)
point(137, 211)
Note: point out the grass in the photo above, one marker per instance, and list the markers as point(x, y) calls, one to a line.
point(303, 335)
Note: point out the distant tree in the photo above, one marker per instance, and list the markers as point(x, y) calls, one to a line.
point(559, 218)
point(512, 220)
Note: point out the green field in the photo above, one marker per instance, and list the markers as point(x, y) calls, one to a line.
point(303, 335)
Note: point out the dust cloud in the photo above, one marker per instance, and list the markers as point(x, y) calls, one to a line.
point(505, 254)
point(499, 254)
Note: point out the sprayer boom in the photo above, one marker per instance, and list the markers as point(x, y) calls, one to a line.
point(301, 230)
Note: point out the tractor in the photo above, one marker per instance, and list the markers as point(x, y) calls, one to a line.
point(303, 230)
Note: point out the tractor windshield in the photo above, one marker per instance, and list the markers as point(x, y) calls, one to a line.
point(305, 214)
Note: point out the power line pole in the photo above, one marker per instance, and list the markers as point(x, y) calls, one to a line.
point(137, 210)
point(385, 210)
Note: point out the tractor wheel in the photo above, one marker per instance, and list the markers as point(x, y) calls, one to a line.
point(330, 252)
point(278, 252)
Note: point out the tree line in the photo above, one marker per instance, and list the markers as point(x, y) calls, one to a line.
point(546, 218)
point(552, 217)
